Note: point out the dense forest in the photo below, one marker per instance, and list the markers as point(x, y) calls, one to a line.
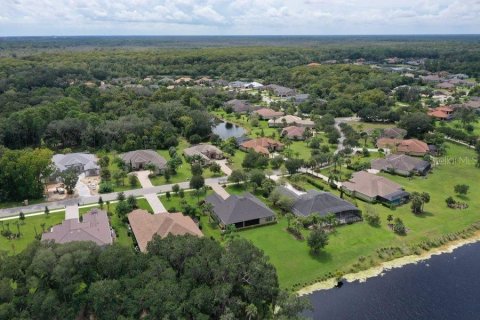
point(180, 278)
point(46, 98)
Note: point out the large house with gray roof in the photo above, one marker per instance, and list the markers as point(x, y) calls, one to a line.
point(240, 210)
point(323, 204)
point(80, 162)
point(140, 159)
point(94, 226)
point(203, 153)
point(401, 164)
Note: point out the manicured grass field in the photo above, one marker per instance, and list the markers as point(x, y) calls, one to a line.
point(297, 267)
point(27, 230)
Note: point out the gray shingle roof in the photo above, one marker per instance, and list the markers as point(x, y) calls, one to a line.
point(144, 157)
point(238, 208)
point(400, 162)
point(64, 161)
point(319, 202)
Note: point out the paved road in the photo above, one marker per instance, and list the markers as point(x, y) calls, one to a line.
point(94, 199)
point(338, 121)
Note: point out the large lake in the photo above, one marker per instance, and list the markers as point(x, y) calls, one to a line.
point(227, 130)
point(446, 287)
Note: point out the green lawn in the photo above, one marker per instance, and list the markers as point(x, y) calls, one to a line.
point(297, 267)
point(457, 124)
point(183, 172)
point(33, 225)
point(173, 204)
point(117, 224)
point(112, 167)
point(28, 228)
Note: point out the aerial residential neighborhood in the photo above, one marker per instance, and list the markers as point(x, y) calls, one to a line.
point(236, 177)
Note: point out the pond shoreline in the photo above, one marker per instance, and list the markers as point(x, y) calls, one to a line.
point(379, 270)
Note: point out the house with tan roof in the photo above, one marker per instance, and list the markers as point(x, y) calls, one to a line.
point(412, 147)
point(262, 145)
point(93, 226)
point(394, 133)
point(294, 132)
point(140, 159)
point(145, 226)
point(372, 188)
point(290, 120)
point(203, 152)
point(239, 106)
point(267, 113)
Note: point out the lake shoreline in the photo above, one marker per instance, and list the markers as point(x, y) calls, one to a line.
point(379, 270)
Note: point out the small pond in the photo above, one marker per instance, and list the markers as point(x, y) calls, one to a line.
point(227, 130)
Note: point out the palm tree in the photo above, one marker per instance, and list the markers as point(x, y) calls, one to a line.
point(289, 217)
point(251, 311)
point(364, 136)
point(207, 209)
point(425, 196)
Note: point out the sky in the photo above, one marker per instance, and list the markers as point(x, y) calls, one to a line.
point(237, 17)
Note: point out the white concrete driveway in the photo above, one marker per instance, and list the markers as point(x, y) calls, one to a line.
point(223, 165)
point(155, 203)
point(143, 178)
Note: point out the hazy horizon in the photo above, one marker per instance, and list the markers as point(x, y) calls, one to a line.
point(237, 17)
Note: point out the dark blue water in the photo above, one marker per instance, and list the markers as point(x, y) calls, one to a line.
point(227, 130)
point(445, 287)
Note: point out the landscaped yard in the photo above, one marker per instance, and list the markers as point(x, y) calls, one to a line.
point(354, 246)
point(28, 228)
point(33, 225)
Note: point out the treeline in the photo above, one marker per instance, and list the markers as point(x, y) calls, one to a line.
point(117, 119)
point(181, 277)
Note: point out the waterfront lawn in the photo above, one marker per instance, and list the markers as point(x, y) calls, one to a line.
point(354, 246)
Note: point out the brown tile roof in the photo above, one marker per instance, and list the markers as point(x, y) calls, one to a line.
point(294, 131)
point(371, 185)
point(267, 113)
point(94, 227)
point(145, 225)
point(404, 146)
point(262, 145)
point(438, 114)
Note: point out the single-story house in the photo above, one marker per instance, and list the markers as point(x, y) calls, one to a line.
point(253, 85)
point(240, 210)
point(93, 227)
point(145, 226)
point(433, 78)
point(323, 204)
point(262, 145)
point(139, 159)
point(290, 120)
point(412, 147)
point(294, 132)
point(237, 84)
point(239, 106)
point(402, 164)
point(80, 162)
point(280, 91)
point(300, 98)
point(205, 152)
point(373, 188)
point(441, 113)
point(394, 133)
point(266, 113)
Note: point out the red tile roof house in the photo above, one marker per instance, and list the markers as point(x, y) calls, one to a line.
point(93, 227)
point(372, 188)
point(441, 113)
point(266, 113)
point(294, 132)
point(145, 226)
point(411, 147)
point(262, 145)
